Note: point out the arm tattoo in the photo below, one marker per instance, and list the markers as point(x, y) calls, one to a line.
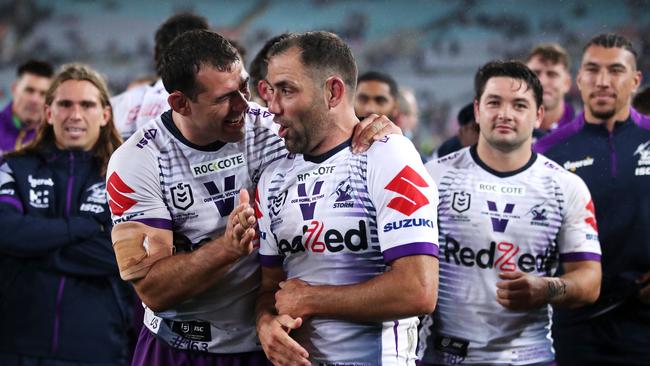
point(556, 288)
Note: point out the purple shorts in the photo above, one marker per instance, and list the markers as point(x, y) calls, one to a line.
point(150, 351)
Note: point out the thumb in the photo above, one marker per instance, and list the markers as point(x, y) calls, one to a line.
point(244, 197)
point(510, 275)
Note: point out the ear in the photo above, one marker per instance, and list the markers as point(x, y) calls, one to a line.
point(48, 114)
point(476, 110)
point(638, 77)
point(540, 116)
point(179, 103)
point(579, 79)
point(567, 82)
point(261, 90)
point(334, 91)
point(107, 115)
point(13, 88)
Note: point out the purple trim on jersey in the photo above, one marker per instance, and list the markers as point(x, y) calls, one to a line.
point(567, 116)
point(612, 156)
point(395, 325)
point(579, 257)
point(150, 351)
point(57, 316)
point(641, 120)
point(157, 223)
point(271, 260)
point(405, 250)
point(13, 201)
point(560, 134)
point(68, 196)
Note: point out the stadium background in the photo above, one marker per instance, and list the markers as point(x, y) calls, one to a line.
point(433, 46)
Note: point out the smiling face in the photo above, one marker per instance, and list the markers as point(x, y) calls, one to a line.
point(77, 115)
point(297, 102)
point(606, 79)
point(555, 80)
point(220, 106)
point(507, 114)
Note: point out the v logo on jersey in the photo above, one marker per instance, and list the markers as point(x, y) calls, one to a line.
point(499, 225)
point(117, 189)
point(406, 183)
point(226, 203)
point(307, 208)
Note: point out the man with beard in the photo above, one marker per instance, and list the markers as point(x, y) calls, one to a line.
point(608, 146)
point(508, 219)
point(347, 246)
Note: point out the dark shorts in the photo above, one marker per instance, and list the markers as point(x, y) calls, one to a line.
point(150, 351)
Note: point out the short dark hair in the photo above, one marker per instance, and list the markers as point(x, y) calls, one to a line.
point(510, 69)
point(173, 27)
point(188, 53)
point(612, 40)
point(35, 67)
point(466, 115)
point(381, 77)
point(322, 52)
point(550, 52)
point(259, 66)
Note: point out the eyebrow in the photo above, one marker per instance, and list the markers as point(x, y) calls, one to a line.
point(616, 64)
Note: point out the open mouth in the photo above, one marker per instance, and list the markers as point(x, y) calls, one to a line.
point(235, 122)
point(75, 131)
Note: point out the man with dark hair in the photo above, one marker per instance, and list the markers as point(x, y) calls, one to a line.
point(137, 106)
point(182, 236)
point(347, 261)
point(550, 62)
point(468, 132)
point(609, 147)
point(508, 219)
point(20, 118)
point(258, 69)
point(63, 302)
point(376, 93)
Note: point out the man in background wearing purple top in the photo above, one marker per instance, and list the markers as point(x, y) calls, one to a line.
point(20, 118)
point(608, 146)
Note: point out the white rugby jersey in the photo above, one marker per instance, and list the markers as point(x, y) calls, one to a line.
point(490, 222)
point(340, 219)
point(159, 178)
point(136, 107)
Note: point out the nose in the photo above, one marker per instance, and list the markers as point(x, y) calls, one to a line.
point(75, 112)
point(504, 113)
point(274, 103)
point(603, 78)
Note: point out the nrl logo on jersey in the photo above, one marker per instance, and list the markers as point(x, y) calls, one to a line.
point(572, 166)
point(182, 197)
point(461, 201)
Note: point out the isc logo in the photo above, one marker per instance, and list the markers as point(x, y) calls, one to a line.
point(354, 240)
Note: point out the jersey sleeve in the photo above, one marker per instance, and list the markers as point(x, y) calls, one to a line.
point(405, 197)
point(578, 237)
point(133, 185)
point(269, 253)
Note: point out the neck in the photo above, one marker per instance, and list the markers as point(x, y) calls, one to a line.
point(504, 161)
point(621, 115)
point(552, 116)
point(339, 129)
point(192, 132)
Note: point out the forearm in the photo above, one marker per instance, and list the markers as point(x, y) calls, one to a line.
point(576, 288)
point(401, 293)
point(180, 277)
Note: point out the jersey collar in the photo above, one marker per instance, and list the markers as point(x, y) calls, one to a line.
point(322, 157)
point(479, 162)
point(169, 124)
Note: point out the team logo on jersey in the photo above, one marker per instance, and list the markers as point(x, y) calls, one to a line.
point(225, 201)
point(343, 195)
point(97, 193)
point(539, 215)
point(407, 183)
point(182, 197)
point(39, 193)
point(117, 190)
point(504, 256)
point(306, 202)
point(217, 165)
point(643, 165)
point(500, 219)
point(354, 240)
point(461, 201)
point(572, 166)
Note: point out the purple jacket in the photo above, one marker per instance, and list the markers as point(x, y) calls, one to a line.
point(9, 133)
